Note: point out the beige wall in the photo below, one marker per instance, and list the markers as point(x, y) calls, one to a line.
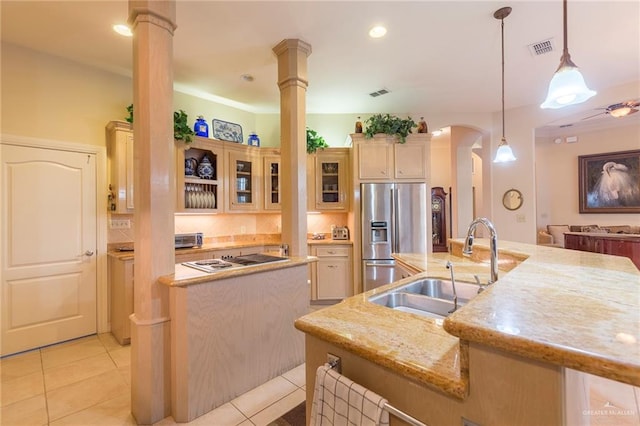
point(557, 175)
point(52, 98)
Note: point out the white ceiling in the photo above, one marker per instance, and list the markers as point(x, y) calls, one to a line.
point(438, 56)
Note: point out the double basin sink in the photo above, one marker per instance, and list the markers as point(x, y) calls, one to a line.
point(428, 297)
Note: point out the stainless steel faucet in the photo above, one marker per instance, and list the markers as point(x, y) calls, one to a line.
point(468, 245)
point(453, 284)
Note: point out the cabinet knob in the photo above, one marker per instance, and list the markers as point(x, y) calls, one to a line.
point(382, 172)
point(88, 253)
point(331, 252)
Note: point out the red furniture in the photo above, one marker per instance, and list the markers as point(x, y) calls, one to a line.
point(627, 245)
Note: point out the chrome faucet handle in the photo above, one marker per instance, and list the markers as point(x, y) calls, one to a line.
point(481, 287)
point(453, 285)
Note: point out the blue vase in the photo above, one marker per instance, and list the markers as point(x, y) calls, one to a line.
point(201, 127)
point(205, 168)
point(253, 140)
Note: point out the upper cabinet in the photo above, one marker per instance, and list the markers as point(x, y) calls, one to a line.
point(120, 157)
point(329, 171)
point(271, 169)
point(383, 159)
point(200, 176)
point(244, 178)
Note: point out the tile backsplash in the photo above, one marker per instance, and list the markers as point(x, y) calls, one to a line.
point(223, 225)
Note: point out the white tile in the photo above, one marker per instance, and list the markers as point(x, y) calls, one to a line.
point(81, 395)
point(28, 412)
point(225, 415)
point(278, 408)
point(21, 388)
point(296, 375)
point(121, 356)
point(20, 365)
point(71, 351)
point(109, 342)
point(264, 395)
point(78, 370)
point(116, 411)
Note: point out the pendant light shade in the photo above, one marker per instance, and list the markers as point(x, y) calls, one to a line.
point(504, 153)
point(567, 86)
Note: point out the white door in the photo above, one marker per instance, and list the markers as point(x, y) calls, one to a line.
point(48, 246)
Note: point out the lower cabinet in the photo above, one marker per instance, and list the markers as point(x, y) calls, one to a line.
point(331, 276)
point(120, 276)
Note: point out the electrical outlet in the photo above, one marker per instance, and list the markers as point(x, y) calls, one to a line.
point(521, 218)
point(120, 224)
point(243, 229)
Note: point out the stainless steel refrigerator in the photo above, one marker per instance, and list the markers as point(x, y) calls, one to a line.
point(394, 220)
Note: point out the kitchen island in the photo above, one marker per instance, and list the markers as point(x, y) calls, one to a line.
point(232, 330)
point(501, 358)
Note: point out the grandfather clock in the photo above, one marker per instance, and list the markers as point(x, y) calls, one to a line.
point(438, 219)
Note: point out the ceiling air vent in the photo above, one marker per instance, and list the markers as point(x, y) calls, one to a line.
point(378, 93)
point(541, 47)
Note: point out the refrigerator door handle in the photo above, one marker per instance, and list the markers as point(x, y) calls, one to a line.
point(396, 228)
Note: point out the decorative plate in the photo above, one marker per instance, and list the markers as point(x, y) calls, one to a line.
point(227, 131)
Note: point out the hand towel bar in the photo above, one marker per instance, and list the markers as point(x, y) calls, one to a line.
point(336, 364)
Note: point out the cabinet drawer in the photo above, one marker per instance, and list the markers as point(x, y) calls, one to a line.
point(332, 251)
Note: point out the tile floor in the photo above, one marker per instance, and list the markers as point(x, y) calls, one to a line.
point(87, 382)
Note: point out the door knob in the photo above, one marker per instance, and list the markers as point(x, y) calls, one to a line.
point(88, 253)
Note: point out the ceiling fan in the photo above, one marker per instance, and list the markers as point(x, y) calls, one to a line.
point(621, 109)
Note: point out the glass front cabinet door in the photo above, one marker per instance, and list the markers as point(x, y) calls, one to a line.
point(244, 180)
point(199, 176)
point(331, 181)
point(271, 181)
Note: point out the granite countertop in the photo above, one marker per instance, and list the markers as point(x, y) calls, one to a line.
point(186, 276)
point(575, 309)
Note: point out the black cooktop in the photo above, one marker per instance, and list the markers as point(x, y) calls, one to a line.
point(255, 259)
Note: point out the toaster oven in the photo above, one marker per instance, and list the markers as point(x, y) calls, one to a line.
point(189, 240)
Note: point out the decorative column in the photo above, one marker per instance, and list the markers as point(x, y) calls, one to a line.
point(292, 80)
point(153, 23)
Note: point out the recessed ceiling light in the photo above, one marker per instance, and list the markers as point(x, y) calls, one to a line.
point(247, 77)
point(123, 29)
point(377, 31)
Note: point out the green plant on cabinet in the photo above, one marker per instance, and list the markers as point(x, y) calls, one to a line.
point(390, 125)
point(315, 141)
point(181, 129)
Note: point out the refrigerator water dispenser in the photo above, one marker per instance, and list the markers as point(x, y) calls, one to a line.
point(379, 232)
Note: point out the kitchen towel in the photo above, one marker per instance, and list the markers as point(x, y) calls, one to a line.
point(339, 401)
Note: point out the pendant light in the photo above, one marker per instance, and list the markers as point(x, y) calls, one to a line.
point(567, 86)
point(504, 153)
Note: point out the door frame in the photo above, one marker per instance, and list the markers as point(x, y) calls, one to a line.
point(102, 288)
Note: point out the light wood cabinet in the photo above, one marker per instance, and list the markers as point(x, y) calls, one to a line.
point(271, 170)
point(331, 277)
point(120, 158)
point(328, 179)
point(410, 160)
point(244, 179)
point(197, 194)
point(375, 160)
point(120, 277)
point(384, 159)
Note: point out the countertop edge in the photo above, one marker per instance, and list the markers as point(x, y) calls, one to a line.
point(204, 277)
point(440, 383)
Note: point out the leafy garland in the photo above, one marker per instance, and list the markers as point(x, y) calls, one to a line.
point(181, 129)
point(390, 125)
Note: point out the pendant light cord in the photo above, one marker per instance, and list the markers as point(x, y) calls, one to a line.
point(502, 29)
